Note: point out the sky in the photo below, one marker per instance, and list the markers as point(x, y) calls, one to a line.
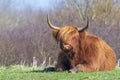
point(35, 4)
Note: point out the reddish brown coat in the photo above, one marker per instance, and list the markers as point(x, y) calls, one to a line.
point(89, 53)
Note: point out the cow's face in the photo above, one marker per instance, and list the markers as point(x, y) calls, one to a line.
point(68, 38)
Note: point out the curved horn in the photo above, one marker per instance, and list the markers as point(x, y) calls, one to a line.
point(80, 30)
point(50, 25)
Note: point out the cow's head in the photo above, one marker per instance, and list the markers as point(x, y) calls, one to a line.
point(68, 36)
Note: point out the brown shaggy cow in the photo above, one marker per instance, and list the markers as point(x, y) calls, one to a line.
point(81, 51)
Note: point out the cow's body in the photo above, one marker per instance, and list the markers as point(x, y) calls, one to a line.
point(94, 55)
point(82, 52)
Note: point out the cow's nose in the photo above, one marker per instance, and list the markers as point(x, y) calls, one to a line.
point(67, 47)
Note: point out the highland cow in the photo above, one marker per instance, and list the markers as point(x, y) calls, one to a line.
point(81, 51)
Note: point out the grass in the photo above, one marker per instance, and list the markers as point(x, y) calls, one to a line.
point(28, 73)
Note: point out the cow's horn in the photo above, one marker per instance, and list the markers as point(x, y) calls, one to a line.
point(82, 29)
point(50, 25)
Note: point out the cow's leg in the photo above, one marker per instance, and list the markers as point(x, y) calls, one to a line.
point(76, 69)
point(84, 68)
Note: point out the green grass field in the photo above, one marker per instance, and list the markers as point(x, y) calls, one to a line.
point(28, 73)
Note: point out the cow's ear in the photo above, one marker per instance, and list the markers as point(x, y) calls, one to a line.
point(55, 33)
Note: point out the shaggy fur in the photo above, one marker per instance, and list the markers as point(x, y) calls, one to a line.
point(82, 52)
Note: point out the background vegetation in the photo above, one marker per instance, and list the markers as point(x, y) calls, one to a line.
point(24, 34)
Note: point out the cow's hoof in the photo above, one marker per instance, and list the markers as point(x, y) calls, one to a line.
point(72, 71)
